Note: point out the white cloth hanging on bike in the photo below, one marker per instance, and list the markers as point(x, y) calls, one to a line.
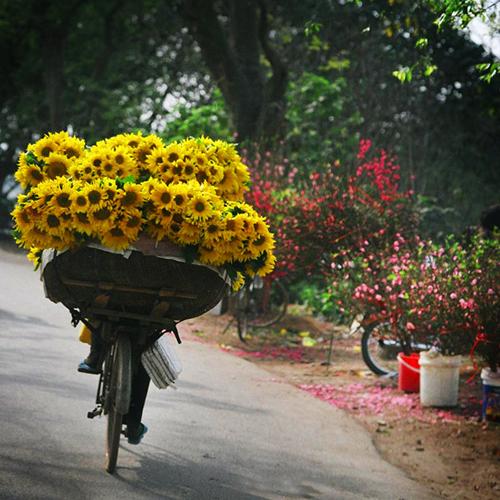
point(162, 363)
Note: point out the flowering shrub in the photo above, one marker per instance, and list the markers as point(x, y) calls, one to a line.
point(189, 192)
point(331, 211)
point(449, 294)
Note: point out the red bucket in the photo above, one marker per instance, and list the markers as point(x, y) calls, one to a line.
point(409, 372)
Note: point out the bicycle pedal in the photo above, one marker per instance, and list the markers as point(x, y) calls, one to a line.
point(97, 411)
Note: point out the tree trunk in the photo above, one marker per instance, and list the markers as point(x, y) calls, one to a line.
point(53, 76)
point(233, 55)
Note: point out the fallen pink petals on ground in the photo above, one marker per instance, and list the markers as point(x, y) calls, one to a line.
point(288, 353)
point(377, 400)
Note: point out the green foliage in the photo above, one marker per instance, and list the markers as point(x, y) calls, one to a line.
point(209, 119)
point(321, 121)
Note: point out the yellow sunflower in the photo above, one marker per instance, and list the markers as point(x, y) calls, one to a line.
point(56, 165)
point(123, 162)
point(268, 266)
point(189, 234)
point(213, 231)
point(29, 175)
point(115, 238)
point(23, 217)
point(103, 219)
point(72, 147)
point(199, 207)
point(35, 256)
point(174, 151)
point(131, 224)
point(62, 196)
point(161, 194)
point(262, 242)
point(209, 255)
point(82, 223)
point(131, 195)
point(95, 194)
point(44, 147)
point(215, 173)
point(180, 196)
point(238, 282)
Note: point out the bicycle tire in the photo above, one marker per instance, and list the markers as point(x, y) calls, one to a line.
point(241, 316)
point(274, 313)
point(372, 350)
point(118, 398)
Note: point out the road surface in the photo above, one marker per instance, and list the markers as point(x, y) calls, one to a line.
point(231, 431)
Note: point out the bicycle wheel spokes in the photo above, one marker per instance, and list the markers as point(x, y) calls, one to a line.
point(380, 349)
point(267, 303)
point(118, 397)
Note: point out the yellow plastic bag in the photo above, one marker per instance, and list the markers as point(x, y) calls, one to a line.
point(86, 335)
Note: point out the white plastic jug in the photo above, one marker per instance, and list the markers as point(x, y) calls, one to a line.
point(439, 376)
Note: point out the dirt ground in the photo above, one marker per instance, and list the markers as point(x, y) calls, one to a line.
point(451, 450)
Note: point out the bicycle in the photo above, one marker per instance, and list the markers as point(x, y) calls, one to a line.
point(114, 388)
point(380, 345)
point(260, 304)
point(95, 285)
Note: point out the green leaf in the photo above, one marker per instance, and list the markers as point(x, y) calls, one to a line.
point(403, 75)
point(312, 27)
point(429, 69)
point(421, 43)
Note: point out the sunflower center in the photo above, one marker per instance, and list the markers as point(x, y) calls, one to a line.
point(173, 157)
point(102, 214)
point(53, 221)
point(259, 241)
point(56, 169)
point(63, 200)
point(179, 199)
point(188, 170)
point(175, 227)
point(143, 155)
point(119, 159)
point(25, 217)
point(178, 218)
point(117, 232)
point(230, 225)
point(165, 198)
point(36, 174)
point(177, 170)
point(133, 221)
point(88, 170)
point(108, 167)
point(94, 196)
point(70, 152)
point(133, 144)
point(81, 201)
point(201, 176)
point(199, 206)
point(159, 160)
point(46, 151)
point(97, 162)
point(212, 229)
point(129, 199)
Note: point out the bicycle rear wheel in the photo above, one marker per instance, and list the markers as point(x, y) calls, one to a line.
point(379, 349)
point(267, 302)
point(118, 397)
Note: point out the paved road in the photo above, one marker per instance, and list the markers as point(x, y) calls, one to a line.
point(231, 431)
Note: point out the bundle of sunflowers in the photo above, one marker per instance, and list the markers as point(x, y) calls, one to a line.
point(190, 193)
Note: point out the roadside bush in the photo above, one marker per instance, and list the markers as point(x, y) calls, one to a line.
point(331, 211)
point(447, 293)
